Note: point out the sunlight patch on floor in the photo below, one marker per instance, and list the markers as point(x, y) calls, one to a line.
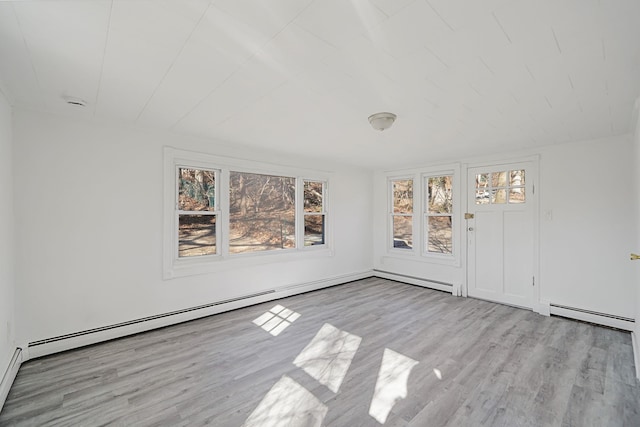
point(391, 384)
point(437, 373)
point(328, 356)
point(276, 320)
point(288, 404)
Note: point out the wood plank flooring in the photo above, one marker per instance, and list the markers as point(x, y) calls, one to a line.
point(447, 362)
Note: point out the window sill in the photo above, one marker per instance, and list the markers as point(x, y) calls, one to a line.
point(216, 263)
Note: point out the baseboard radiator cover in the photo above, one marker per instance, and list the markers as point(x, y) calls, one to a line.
point(10, 375)
point(83, 338)
point(605, 319)
point(413, 280)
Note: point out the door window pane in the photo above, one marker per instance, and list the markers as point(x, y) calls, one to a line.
point(196, 235)
point(516, 178)
point(482, 197)
point(499, 196)
point(482, 180)
point(499, 179)
point(516, 195)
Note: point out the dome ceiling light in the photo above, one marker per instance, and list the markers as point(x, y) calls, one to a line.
point(382, 121)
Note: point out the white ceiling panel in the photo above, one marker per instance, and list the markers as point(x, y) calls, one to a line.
point(216, 49)
point(137, 59)
point(391, 7)
point(66, 41)
point(17, 70)
point(251, 82)
point(340, 21)
point(411, 29)
point(463, 76)
point(268, 17)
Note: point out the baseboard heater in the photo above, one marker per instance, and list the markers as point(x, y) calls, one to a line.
point(414, 280)
point(606, 319)
point(145, 319)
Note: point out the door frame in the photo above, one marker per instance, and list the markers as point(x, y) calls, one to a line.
point(534, 176)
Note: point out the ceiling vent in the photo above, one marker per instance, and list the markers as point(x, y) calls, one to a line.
point(77, 102)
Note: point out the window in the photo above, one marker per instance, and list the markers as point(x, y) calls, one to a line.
point(197, 212)
point(262, 212)
point(314, 213)
point(222, 211)
point(423, 216)
point(402, 213)
point(439, 214)
point(500, 187)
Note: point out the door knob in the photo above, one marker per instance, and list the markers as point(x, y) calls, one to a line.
point(635, 257)
point(471, 229)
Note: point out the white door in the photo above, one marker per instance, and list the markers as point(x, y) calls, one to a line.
point(501, 233)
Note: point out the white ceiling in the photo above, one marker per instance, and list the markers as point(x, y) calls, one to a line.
point(302, 76)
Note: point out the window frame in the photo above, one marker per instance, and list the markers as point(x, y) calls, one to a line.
point(228, 172)
point(424, 231)
point(175, 266)
point(178, 212)
point(420, 178)
point(391, 214)
point(323, 213)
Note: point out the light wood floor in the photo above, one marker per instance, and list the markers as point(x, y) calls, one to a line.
point(464, 362)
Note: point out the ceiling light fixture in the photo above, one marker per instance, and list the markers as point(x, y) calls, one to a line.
point(382, 121)
point(77, 102)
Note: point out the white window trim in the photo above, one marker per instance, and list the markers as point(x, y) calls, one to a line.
point(454, 257)
point(325, 210)
point(174, 267)
point(419, 251)
point(390, 214)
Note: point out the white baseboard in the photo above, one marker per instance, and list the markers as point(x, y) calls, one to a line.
point(613, 322)
point(415, 281)
point(542, 307)
point(83, 338)
point(10, 375)
point(636, 353)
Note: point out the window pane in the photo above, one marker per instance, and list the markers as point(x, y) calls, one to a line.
point(196, 190)
point(261, 212)
point(439, 194)
point(313, 196)
point(440, 235)
point(196, 235)
point(403, 196)
point(499, 196)
point(499, 179)
point(313, 230)
point(516, 195)
point(482, 180)
point(516, 178)
point(402, 232)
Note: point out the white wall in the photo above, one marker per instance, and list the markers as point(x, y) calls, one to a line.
point(7, 283)
point(89, 216)
point(584, 247)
